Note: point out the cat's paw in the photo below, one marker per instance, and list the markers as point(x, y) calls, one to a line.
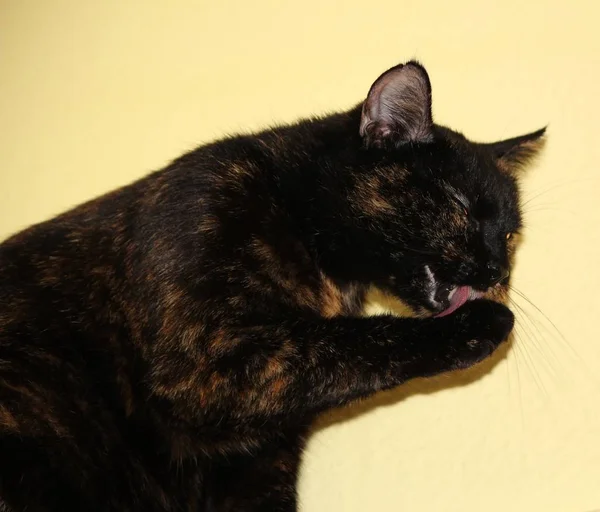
point(474, 331)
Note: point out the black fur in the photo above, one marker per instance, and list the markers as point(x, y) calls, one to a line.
point(167, 346)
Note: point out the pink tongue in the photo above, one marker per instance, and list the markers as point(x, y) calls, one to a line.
point(461, 295)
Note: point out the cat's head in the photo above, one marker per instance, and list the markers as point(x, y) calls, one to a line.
point(439, 215)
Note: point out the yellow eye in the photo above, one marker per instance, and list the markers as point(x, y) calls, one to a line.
point(509, 236)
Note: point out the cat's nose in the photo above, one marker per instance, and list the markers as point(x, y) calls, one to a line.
point(496, 273)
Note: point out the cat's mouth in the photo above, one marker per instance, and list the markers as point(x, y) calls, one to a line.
point(445, 299)
point(457, 297)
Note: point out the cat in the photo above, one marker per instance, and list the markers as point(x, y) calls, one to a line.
point(168, 345)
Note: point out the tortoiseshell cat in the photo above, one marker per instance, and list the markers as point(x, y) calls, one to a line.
point(167, 346)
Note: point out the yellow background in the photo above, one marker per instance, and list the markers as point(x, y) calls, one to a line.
point(96, 93)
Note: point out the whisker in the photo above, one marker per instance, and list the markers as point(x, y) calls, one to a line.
point(524, 297)
point(553, 333)
point(529, 362)
point(558, 185)
point(546, 208)
point(537, 337)
point(520, 389)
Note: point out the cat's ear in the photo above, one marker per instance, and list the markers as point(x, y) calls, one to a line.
point(398, 107)
point(513, 155)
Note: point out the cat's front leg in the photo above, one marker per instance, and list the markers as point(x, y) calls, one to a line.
point(384, 352)
point(298, 368)
point(459, 340)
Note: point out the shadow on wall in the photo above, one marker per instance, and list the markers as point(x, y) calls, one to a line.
point(379, 303)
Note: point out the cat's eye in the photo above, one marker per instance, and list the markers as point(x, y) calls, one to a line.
point(509, 236)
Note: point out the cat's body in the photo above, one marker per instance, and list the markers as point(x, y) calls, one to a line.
point(167, 346)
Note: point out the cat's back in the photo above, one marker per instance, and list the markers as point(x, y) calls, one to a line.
point(59, 287)
point(84, 286)
point(51, 265)
point(98, 244)
point(70, 373)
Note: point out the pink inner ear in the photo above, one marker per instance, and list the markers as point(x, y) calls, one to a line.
point(398, 104)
